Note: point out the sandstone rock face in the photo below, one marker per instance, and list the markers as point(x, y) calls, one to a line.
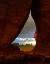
point(13, 15)
point(41, 14)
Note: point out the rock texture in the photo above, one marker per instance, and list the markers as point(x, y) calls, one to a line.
point(13, 15)
point(41, 14)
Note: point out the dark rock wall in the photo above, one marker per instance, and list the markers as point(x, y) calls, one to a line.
point(13, 15)
point(41, 14)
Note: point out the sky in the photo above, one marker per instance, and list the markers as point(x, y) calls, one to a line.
point(28, 29)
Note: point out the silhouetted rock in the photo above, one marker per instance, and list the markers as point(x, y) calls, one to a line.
point(13, 15)
point(40, 11)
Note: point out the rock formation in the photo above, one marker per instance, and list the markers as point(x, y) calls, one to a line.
point(35, 34)
point(41, 14)
point(13, 15)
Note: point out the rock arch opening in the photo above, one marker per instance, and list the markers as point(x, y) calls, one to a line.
point(26, 39)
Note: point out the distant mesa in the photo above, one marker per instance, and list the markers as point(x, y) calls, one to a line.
point(17, 44)
point(25, 41)
point(25, 48)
